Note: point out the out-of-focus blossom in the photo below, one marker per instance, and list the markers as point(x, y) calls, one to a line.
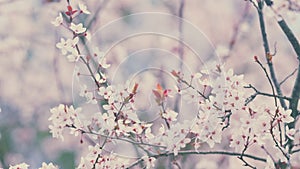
point(58, 20)
point(73, 56)
point(67, 45)
point(48, 166)
point(222, 50)
point(207, 163)
point(83, 8)
point(102, 63)
point(100, 56)
point(94, 158)
point(100, 77)
point(62, 45)
point(284, 115)
point(19, 166)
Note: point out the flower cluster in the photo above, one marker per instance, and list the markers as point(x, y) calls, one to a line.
point(219, 95)
point(63, 116)
point(25, 166)
point(96, 159)
point(69, 46)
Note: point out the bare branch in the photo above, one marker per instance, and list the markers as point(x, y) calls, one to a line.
point(241, 157)
point(190, 152)
point(290, 35)
point(267, 52)
point(257, 92)
point(296, 89)
point(269, 79)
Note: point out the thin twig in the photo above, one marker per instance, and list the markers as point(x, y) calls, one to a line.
point(269, 79)
point(257, 92)
point(274, 139)
point(268, 153)
point(166, 120)
point(116, 138)
point(254, 4)
point(286, 78)
point(96, 161)
point(241, 157)
point(295, 151)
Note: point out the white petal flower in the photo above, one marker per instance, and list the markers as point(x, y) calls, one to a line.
point(290, 132)
point(72, 42)
point(83, 8)
point(20, 166)
point(48, 166)
point(170, 115)
point(77, 28)
point(149, 161)
point(100, 78)
point(67, 45)
point(287, 117)
point(73, 57)
point(62, 116)
point(90, 98)
point(58, 20)
point(102, 63)
point(62, 45)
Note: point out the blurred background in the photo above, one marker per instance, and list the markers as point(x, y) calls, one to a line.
point(35, 77)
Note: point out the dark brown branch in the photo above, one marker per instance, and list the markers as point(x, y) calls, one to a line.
point(274, 139)
point(189, 152)
point(291, 37)
point(241, 157)
point(96, 161)
point(257, 92)
point(267, 52)
point(295, 151)
point(296, 89)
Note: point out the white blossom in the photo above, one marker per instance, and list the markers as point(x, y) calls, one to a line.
point(19, 166)
point(78, 29)
point(58, 20)
point(83, 8)
point(48, 166)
